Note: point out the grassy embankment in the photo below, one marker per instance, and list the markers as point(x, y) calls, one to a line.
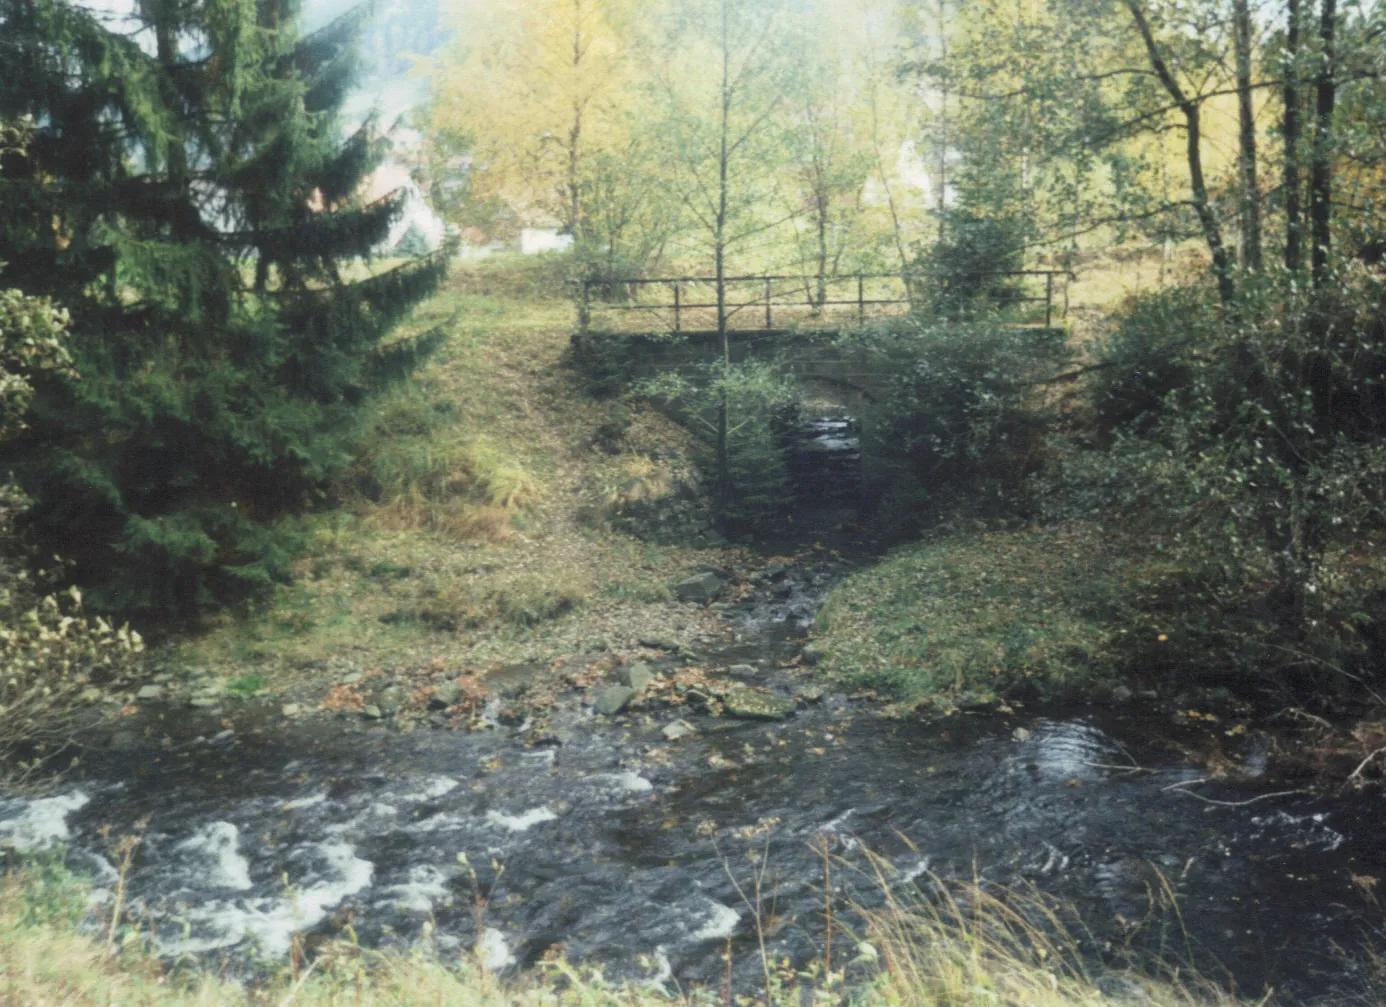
point(989, 954)
point(1071, 610)
point(472, 528)
point(969, 616)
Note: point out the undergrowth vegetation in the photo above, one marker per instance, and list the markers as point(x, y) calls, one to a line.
point(970, 947)
point(474, 523)
point(1204, 476)
point(56, 662)
point(963, 421)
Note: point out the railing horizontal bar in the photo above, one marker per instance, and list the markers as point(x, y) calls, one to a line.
point(750, 304)
point(839, 278)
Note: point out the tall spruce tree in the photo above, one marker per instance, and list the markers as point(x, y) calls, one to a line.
point(188, 195)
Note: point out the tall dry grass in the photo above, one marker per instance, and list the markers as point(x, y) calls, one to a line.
point(962, 946)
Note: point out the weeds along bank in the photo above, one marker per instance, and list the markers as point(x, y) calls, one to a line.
point(1194, 497)
point(473, 525)
point(977, 951)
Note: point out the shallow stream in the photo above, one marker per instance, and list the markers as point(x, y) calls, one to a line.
point(626, 849)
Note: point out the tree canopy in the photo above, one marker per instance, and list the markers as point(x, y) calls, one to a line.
point(188, 195)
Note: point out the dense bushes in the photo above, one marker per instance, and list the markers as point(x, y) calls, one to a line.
point(963, 420)
point(1248, 444)
point(1231, 459)
point(962, 270)
point(55, 660)
point(758, 397)
point(1147, 352)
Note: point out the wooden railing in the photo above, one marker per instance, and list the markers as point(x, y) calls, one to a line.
point(787, 299)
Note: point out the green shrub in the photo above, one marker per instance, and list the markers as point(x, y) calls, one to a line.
point(1261, 471)
point(960, 269)
point(964, 419)
point(1148, 352)
point(55, 661)
point(759, 399)
point(33, 337)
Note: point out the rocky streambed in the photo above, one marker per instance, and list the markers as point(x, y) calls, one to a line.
point(608, 805)
point(621, 837)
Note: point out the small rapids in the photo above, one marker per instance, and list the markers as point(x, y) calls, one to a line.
point(627, 849)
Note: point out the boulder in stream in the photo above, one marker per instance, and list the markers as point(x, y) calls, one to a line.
point(614, 699)
point(390, 700)
point(637, 675)
point(750, 704)
point(678, 730)
point(446, 694)
point(702, 587)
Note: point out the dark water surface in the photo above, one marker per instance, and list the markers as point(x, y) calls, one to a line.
point(617, 844)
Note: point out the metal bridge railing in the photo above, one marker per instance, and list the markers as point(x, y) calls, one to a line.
point(813, 301)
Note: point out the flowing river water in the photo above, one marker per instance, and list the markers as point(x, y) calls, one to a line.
point(626, 848)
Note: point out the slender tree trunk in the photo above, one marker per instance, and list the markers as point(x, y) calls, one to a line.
point(878, 161)
point(1321, 162)
point(1191, 110)
point(822, 293)
point(1250, 195)
point(1294, 218)
point(719, 250)
point(575, 134)
point(574, 166)
point(943, 128)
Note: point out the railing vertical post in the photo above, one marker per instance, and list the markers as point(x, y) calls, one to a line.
point(678, 322)
point(1048, 298)
point(861, 298)
point(767, 304)
point(585, 307)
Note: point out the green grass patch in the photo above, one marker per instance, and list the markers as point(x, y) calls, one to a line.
point(459, 533)
point(246, 686)
point(972, 616)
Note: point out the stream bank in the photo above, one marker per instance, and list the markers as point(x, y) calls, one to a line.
point(625, 839)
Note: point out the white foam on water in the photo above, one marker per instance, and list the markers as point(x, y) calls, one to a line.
point(425, 884)
point(272, 922)
point(836, 823)
point(722, 922)
point(436, 823)
point(220, 863)
point(494, 951)
point(39, 824)
point(523, 821)
point(382, 810)
point(103, 872)
point(1312, 830)
point(629, 781)
point(908, 874)
point(432, 787)
point(664, 971)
